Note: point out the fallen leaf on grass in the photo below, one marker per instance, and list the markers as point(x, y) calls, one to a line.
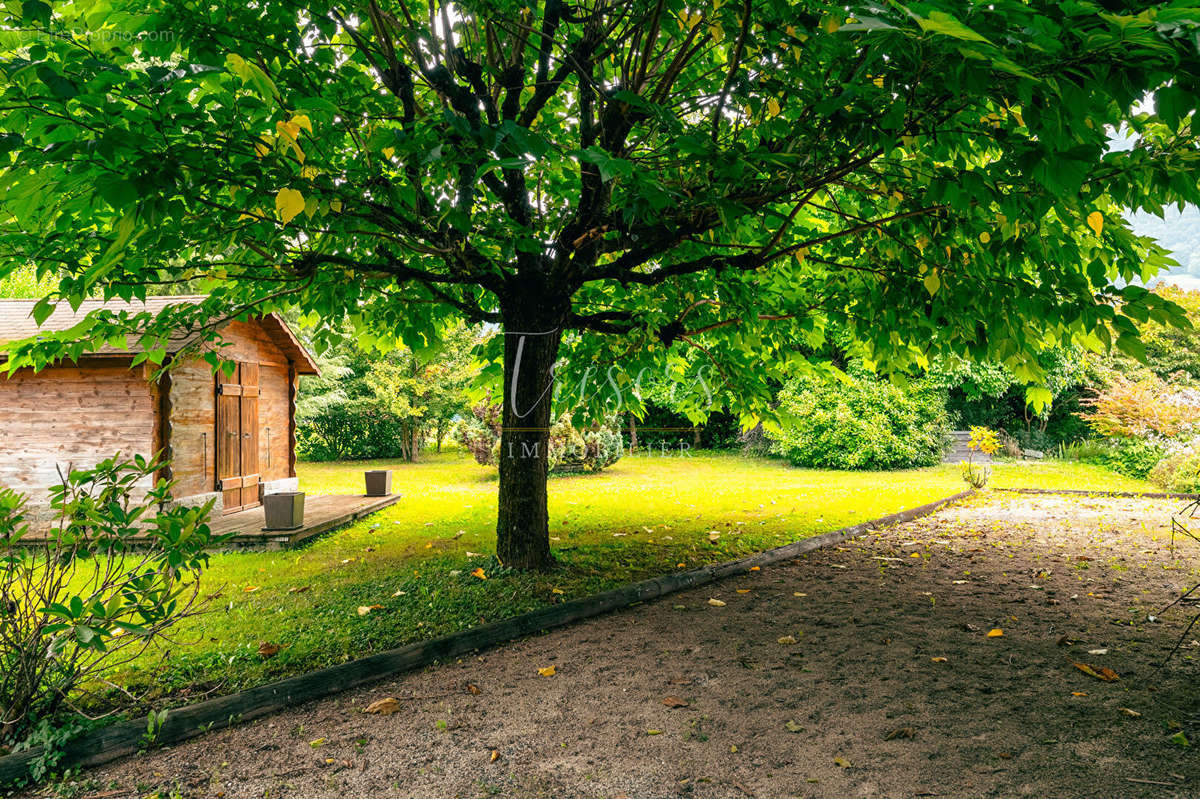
point(400, 593)
point(299, 589)
point(674, 701)
point(1105, 673)
point(716, 603)
point(384, 707)
point(479, 573)
point(268, 650)
point(549, 671)
point(786, 639)
point(250, 589)
point(363, 610)
point(558, 591)
point(995, 633)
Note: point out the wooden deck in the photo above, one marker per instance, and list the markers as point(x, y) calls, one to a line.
point(322, 513)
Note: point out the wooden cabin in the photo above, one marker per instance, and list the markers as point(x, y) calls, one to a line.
point(229, 439)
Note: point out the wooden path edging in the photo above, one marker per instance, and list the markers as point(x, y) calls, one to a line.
point(1077, 492)
point(128, 737)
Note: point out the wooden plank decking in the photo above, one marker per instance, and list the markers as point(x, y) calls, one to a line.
point(322, 513)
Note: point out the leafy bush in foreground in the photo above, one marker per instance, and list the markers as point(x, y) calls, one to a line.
point(861, 423)
point(118, 569)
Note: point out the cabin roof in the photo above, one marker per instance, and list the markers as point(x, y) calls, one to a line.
point(17, 323)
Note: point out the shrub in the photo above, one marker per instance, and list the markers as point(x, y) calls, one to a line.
point(1132, 409)
point(353, 430)
point(571, 449)
point(112, 576)
point(863, 423)
point(1179, 471)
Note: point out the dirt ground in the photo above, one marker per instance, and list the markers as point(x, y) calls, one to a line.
point(865, 670)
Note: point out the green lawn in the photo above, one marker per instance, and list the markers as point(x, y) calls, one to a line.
point(412, 563)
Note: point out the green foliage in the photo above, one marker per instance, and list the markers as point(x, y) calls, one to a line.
point(861, 423)
point(572, 449)
point(1178, 471)
point(367, 404)
point(119, 569)
point(1128, 456)
point(351, 430)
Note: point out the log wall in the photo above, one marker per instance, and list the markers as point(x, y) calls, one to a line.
point(70, 416)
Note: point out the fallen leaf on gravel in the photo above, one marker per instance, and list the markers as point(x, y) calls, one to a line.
point(1079, 693)
point(1097, 651)
point(971, 628)
point(384, 707)
point(473, 689)
point(716, 603)
point(494, 756)
point(1130, 712)
point(797, 593)
point(841, 762)
point(268, 650)
point(654, 732)
point(792, 726)
point(755, 568)
point(478, 573)
point(743, 590)
point(938, 660)
point(995, 633)
point(1063, 641)
point(786, 639)
point(1180, 739)
point(674, 701)
point(1105, 673)
point(319, 742)
point(549, 671)
point(907, 733)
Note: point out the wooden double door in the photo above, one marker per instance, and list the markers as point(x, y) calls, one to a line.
point(238, 477)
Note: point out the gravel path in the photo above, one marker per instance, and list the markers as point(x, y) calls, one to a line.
point(865, 670)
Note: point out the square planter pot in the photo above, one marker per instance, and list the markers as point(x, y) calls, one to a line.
point(284, 511)
point(379, 482)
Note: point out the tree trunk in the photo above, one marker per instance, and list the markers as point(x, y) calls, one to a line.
point(531, 341)
point(632, 433)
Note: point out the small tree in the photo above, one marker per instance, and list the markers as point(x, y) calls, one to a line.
point(117, 571)
point(426, 390)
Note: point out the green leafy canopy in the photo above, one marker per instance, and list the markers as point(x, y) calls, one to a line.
point(650, 176)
